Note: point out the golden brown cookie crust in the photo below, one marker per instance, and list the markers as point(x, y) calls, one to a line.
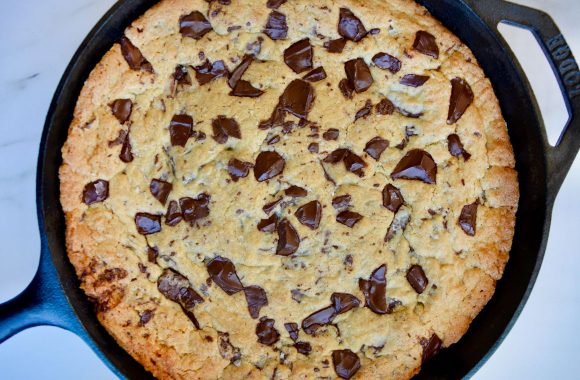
point(111, 257)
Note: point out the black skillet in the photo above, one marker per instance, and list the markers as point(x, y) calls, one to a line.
point(54, 297)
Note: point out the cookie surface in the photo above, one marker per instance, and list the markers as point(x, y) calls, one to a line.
point(300, 189)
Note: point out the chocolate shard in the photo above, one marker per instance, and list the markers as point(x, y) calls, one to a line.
point(160, 190)
point(194, 25)
point(375, 290)
point(341, 201)
point(425, 43)
point(180, 129)
point(309, 214)
point(318, 319)
point(468, 218)
point(343, 302)
point(358, 74)
point(345, 88)
point(392, 198)
point(431, 347)
point(256, 298)
point(461, 99)
point(126, 154)
point(456, 148)
point(346, 363)
point(194, 209)
point(297, 98)
point(244, 89)
point(296, 192)
point(293, 330)
point(386, 61)
point(122, 109)
point(269, 224)
point(147, 224)
point(348, 218)
point(268, 165)
point(207, 71)
point(173, 215)
point(303, 348)
point(412, 80)
point(223, 272)
point(416, 165)
point(331, 134)
point(177, 288)
point(335, 46)
point(376, 146)
point(224, 127)
point(298, 56)
point(315, 75)
point(238, 169)
point(275, 4)
point(266, 332)
point(95, 192)
point(269, 207)
point(239, 71)
point(288, 238)
point(350, 26)
point(364, 111)
point(133, 56)
point(276, 27)
point(417, 279)
point(353, 163)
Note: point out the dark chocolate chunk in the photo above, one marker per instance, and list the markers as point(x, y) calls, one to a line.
point(309, 214)
point(385, 107)
point(276, 27)
point(207, 71)
point(431, 347)
point(194, 209)
point(296, 192)
point(288, 238)
point(180, 129)
point(147, 224)
point(341, 201)
point(416, 165)
point(145, 317)
point(274, 4)
point(119, 140)
point(268, 225)
point(336, 156)
point(298, 56)
point(343, 302)
point(348, 218)
point(353, 163)
point(177, 288)
point(365, 111)
point(224, 127)
point(238, 169)
point(256, 298)
point(223, 272)
point(152, 253)
point(358, 74)
point(194, 25)
point(456, 148)
point(345, 88)
point(417, 278)
point(331, 134)
point(173, 215)
point(375, 290)
point(413, 80)
point(387, 62)
point(425, 43)
point(313, 147)
point(181, 76)
point(315, 75)
point(244, 89)
point(461, 99)
point(303, 347)
point(468, 218)
point(266, 332)
point(297, 98)
point(318, 319)
point(346, 363)
point(374, 31)
point(239, 71)
point(335, 46)
point(274, 140)
point(376, 146)
point(133, 56)
point(350, 26)
point(269, 207)
point(392, 198)
point(268, 165)
point(160, 190)
point(122, 109)
point(293, 330)
point(126, 155)
point(95, 192)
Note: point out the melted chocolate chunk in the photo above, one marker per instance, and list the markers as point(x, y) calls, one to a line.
point(303, 347)
point(387, 62)
point(173, 215)
point(194, 25)
point(268, 225)
point(318, 319)
point(413, 80)
point(266, 332)
point(425, 43)
point(309, 214)
point(276, 27)
point(358, 74)
point(313, 147)
point(238, 169)
point(181, 76)
point(122, 109)
point(298, 56)
point(392, 198)
point(95, 192)
point(147, 224)
point(348, 218)
point(346, 363)
point(345, 88)
point(468, 218)
point(133, 56)
point(268, 165)
point(375, 290)
point(180, 129)
point(207, 71)
point(416, 165)
point(177, 288)
point(431, 347)
point(343, 302)
point(288, 238)
point(244, 89)
point(160, 190)
point(350, 26)
point(365, 111)
point(315, 75)
point(194, 209)
point(239, 71)
point(223, 272)
point(335, 46)
point(275, 4)
point(119, 140)
point(417, 278)
point(293, 330)
point(256, 299)
point(461, 99)
point(269, 207)
point(297, 98)
point(385, 107)
point(331, 134)
point(376, 146)
point(224, 127)
point(126, 155)
point(341, 201)
point(456, 147)
point(296, 192)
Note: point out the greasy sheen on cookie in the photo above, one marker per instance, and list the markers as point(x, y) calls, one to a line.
point(276, 189)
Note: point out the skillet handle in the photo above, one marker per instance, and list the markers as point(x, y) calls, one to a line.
point(43, 302)
point(548, 35)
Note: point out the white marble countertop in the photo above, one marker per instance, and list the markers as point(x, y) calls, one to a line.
point(38, 40)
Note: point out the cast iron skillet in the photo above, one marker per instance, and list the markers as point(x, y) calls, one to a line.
point(54, 297)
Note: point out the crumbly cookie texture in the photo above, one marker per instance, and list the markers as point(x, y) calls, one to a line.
point(300, 189)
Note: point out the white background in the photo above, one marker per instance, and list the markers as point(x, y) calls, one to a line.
point(37, 40)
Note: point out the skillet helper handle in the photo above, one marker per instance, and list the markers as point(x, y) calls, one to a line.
point(561, 156)
point(43, 302)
